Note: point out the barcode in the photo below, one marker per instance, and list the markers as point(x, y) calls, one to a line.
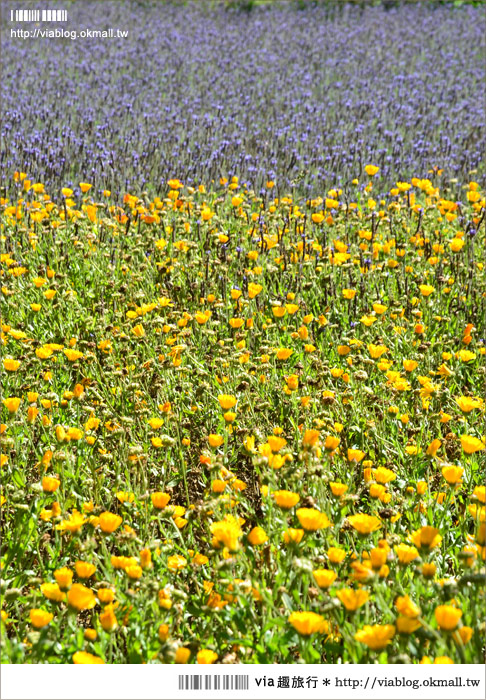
point(38, 15)
point(205, 682)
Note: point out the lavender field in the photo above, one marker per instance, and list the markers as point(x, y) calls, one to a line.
point(202, 91)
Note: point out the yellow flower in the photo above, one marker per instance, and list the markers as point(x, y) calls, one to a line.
point(349, 293)
point(307, 623)
point(456, 244)
point(324, 577)
point(353, 599)
point(292, 382)
point(202, 317)
point(160, 499)
point(406, 553)
point(163, 633)
point(464, 633)
point(426, 289)
point(470, 444)
point(383, 475)
point(428, 570)
point(312, 519)
point(409, 365)
point(378, 491)
point(249, 443)
point(83, 657)
point(368, 320)
point(364, 524)
point(84, 569)
point(125, 496)
point(64, 577)
point(138, 330)
point(105, 595)
point(227, 532)
point(283, 353)
point(84, 187)
point(206, 656)
point(198, 559)
point(218, 486)
point(74, 434)
point(480, 493)
point(453, 475)
point(337, 488)
point(39, 282)
point(109, 522)
point(44, 352)
point(254, 289)
point(433, 447)
point(426, 537)
point(50, 484)
point(53, 592)
point(73, 355)
point(468, 404)
point(376, 351)
point(466, 355)
point(376, 637)
point(12, 404)
point(336, 555)
point(80, 597)
point(331, 442)
point(182, 655)
point(355, 455)
point(257, 536)
point(176, 562)
point(108, 619)
point(292, 309)
point(215, 440)
point(40, 618)
point(407, 625)
point(407, 607)
point(227, 401)
point(362, 571)
point(378, 557)
point(379, 308)
point(72, 524)
point(11, 365)
point(293, 535)
point(311, 438)
point(371, 170)
point(447, 617)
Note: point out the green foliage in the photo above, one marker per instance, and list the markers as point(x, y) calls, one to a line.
point(181, 360)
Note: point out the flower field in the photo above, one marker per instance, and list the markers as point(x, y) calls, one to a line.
point(243, 400)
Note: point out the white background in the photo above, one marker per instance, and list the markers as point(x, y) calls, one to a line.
point(120, 682)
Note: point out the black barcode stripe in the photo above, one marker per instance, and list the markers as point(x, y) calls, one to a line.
point(54, 15)
point(197, 681)
point(38, 15)
point(25, 15)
